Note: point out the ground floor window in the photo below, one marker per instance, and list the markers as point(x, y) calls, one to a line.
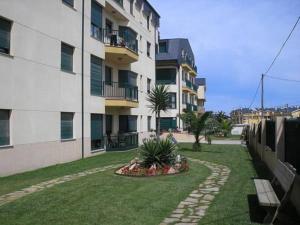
point(167, 123)
point(4, 127)
point(66, 125)
point(127, 124)
point(97, 132)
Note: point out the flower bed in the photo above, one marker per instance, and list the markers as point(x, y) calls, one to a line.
point(136, 169)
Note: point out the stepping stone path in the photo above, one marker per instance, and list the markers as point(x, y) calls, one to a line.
point(191, 210)
point(10, 197)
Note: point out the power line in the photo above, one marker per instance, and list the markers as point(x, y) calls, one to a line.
point(283, 46)
point(255, 95)
point(282, 79)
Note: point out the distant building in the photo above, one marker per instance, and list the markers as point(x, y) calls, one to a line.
point(201, 82)
point(249, 116)
point(175, 68)
point(296, 113)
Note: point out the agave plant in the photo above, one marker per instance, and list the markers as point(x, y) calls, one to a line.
point(161, 153)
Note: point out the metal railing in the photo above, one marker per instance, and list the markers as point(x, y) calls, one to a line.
point(117, 39)
point(115, 90)
point(189, 62)
point(122, 142)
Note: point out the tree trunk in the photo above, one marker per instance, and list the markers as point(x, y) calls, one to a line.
point(158, 126)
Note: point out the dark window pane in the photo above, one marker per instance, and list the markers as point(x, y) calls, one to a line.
point(97, 141)
point(127, 124)
point(172, 100)
point(108, 75)
point(96, 21)
point(67, 125)
point(148, 49)
point(5, 28)
point(4, 127)
point(127, 78)
point(109, 124)
point(69, 2)
point(149, 123)
point(163, 47)
point(96, 76)
point(166, 76)
point(148, 85)
point(67, 57)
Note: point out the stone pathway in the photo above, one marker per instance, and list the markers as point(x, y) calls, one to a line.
point(193, 208)
point(10, 197)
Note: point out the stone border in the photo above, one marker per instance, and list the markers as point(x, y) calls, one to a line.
point(191, 210)
point(10, 197)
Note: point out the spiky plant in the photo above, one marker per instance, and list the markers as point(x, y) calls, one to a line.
point(159, 100)
point(159, 153)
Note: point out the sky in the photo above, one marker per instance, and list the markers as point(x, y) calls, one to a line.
point(234, 42)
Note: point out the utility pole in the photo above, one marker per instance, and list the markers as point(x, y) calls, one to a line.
point(262, 96)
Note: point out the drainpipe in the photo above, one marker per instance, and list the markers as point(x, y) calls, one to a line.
point(82, 81)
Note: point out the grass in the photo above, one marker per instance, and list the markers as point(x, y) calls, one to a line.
point(105, 198)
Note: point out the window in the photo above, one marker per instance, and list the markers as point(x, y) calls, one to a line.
point(148, 49)
point(163, 48)
point(66, 125)
point(108, 75)
point(148, 22)
point(5, 28)
point(149, 123)
point(69, 2)
point(172, 100)
point(97, 132)
point(108, 124)
point(127, 78)
point(127, 124)
point(166, 76)
point(4, 127)
point(131, 7)
point(148, 85)
point(67, 52)
point(96, 76)
point(96, 21)
point(184, 98)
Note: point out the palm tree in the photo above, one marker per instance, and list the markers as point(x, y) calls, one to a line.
point(159, 99)
point(197, 125)
point(226, 127)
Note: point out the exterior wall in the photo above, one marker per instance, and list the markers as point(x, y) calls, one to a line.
point(36, 91)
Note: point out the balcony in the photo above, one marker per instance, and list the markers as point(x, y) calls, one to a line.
point(116, 9)
point(121, 46)
point(188, 65)
point(120, 95)
point(122, 142)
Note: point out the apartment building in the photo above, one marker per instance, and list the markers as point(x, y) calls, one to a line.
point(201, 94)
point(74, 76)
point(175, 68)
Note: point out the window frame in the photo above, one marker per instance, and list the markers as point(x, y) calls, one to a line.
point(148, 49)
point(149, 120)
point(2, 49)
point(61, 126)
point(72, 57)
point(166, 47)
point(172, 104)
point(68, 3)
point(149, 85)
point(8, 143)
point(94, 27)
point(92, 79)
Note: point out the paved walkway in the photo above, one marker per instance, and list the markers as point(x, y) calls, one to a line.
point(193, 208)
point(7, 198)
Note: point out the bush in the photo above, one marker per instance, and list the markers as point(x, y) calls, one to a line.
point(160, 153)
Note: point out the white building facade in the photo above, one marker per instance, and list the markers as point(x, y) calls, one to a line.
point(73, 84)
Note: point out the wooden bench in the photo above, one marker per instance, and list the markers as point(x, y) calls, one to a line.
point(267, 198)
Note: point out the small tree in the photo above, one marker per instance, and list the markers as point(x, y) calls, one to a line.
point(159, 100)
point(197, 124)
point(226, 127)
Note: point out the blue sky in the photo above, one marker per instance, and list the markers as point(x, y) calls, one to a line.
point(234, 42)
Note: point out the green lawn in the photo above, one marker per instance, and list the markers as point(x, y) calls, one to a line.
point(105, 198)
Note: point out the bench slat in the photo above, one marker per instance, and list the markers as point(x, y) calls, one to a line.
point(265, 193)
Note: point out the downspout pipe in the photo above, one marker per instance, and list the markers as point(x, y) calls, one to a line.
point(82, 81)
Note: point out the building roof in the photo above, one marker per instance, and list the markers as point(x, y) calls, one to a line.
point(201, 81)
point(175, 48)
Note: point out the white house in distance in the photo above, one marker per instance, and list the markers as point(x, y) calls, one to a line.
point(175, 68)
point(73, 79)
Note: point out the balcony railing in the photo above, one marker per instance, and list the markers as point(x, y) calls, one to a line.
point(121, 39)
point(115, 90)
point(122, 142)
point(189, 62)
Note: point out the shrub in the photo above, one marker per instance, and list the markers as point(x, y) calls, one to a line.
point(160, 153)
